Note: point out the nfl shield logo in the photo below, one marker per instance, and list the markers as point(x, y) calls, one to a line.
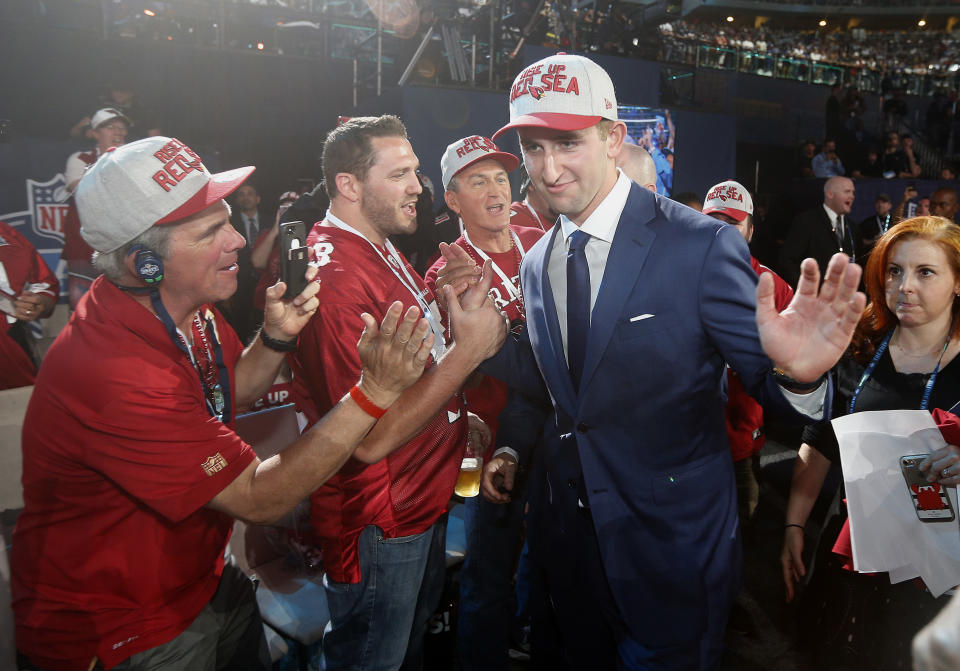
point(47, 202)
point(214, 464)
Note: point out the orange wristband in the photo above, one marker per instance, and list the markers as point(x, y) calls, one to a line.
point(366, 404)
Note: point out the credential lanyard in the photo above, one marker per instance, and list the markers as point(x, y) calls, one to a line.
point(508, 284)
point(928, 389)
point(217, 398)
point(429, 310)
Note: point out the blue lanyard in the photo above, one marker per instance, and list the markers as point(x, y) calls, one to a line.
point(217, 397)
point(928, 389)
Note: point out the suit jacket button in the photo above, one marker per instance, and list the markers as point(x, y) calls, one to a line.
point(571, 483)
point(583, 427)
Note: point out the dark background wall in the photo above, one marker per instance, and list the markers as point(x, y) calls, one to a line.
point(240, 108)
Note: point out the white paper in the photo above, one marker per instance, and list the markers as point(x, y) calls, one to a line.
point(885, 532)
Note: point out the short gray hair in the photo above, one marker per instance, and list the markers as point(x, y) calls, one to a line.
point(113, 264)
point(453, 185)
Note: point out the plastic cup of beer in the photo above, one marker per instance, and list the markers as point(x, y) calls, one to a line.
point(471, 468)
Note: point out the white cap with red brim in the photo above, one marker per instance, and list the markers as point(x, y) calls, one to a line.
point(467, 151)
point(157, 180)
point(729, 198)
point(562, 92)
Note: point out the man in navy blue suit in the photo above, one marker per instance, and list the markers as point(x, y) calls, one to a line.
point(634, 305)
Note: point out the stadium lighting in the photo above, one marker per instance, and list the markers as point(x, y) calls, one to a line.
point(260, 46)
point(954, 67)
point(921, 23)
point(729, 19)
point(149, 12)
point(823, 22)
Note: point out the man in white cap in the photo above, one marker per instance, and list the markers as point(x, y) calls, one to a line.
point(132, 473)
point(731, 203)
point(634, 304)
point(109, 127)
point(477, 188)
point(381, 519)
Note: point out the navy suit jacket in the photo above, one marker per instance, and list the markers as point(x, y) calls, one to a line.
point(677, 301)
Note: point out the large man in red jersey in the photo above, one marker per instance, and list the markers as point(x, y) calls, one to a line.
point(381, 518)
point(132, 473)
point(478, 189)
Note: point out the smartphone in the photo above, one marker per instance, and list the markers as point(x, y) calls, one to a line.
point(294, 256)
point(930, 499)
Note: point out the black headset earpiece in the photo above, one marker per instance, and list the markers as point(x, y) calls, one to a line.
point(148, 264)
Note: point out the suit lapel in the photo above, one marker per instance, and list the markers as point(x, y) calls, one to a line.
point(628, 253)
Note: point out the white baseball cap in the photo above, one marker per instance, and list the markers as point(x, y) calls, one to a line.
point(106, 114)
point(562, 92)
point(157, 180)
point(729, 198)
point(467, 151)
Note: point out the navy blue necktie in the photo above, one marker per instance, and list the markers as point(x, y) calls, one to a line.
point(578, 305)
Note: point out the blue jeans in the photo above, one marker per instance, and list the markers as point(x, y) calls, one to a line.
point(379, 622)
point(487, 598)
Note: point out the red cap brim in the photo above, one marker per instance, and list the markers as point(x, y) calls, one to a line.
point(551, 120)
point(506, 159)
point(220, 185)
point(738, 215)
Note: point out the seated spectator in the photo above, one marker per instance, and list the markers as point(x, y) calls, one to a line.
point(28, 291)
point(948, 173)
point(870, 165)
point(907, 143)
point(894, 161)
point(827, 164)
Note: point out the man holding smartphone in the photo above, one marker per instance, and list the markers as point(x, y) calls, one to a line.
point(132, 472)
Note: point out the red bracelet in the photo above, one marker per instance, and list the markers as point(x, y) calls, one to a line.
point(366, 404)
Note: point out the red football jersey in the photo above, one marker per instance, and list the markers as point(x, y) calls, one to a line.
point(523, 214)
point(744, 414)
point(490, 396)
point(407, 491)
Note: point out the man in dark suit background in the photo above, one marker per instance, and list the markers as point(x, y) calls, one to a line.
point(239, 311)
point(633, 305)
point(822, 231)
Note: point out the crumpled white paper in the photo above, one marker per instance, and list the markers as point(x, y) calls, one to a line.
point(885, 532)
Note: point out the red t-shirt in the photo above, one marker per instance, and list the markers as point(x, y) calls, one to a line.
point(490, 396)
point(21, 269)
point(522, 214)
point(744, 414)
point(115, 551)
point(407, 491)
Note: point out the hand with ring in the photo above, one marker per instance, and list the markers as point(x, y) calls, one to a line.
point(942, 466)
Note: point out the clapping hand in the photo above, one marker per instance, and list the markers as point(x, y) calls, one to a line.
point(393, 354)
